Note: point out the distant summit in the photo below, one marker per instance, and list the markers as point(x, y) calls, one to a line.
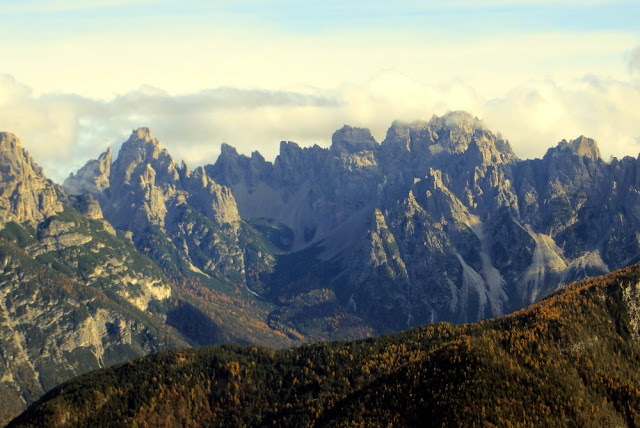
point(586, 147)
point(92, 178)
point(352, 140)
point(581, 146)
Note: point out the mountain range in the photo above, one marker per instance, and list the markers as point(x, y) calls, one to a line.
point(439, 222)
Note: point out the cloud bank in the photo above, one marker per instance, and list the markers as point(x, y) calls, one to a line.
point(634, 61)
point(63, 131)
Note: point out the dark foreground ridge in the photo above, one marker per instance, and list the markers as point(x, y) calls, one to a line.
point(570, 359)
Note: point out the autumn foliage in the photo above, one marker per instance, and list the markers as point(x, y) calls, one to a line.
point(569, 360)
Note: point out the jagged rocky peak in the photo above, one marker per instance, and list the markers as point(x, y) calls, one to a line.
point(401, 134)
point(93, 177)
point(352, 140)
point(144, 134)
point(289, 148)
point(229, 153)
point(232, 167)
point(448, 134)
point(587, 147)
point(15, 156)
point(455, 130)
point(9, 141)
point(212, 199)
point(581, 146)
point(142, 144)
point(226, 170)
point(257, 156)
point(296, 164)
point(457, 119)
point(26, 195)
point(184, 169)
point(227, 150)
point(290, 155)
point(489, 149)
point(140, 153)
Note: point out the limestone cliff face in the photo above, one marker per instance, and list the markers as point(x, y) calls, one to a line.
point(215, 202)
point(54, 327)
point(478, 231)
point(142, 179)
point(73, 296)
point(351, 140)
point(144, 192)
point(25, 194)
point(309, 190)
point(92, 178)
point(439, 221)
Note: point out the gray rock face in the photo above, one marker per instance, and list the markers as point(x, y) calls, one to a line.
point(309, 190)
point(352, 140)
point(73, 296)
point(25, 194)
point(145, 192)
point(441, 221)
point(87, 205)
point(54, 327)
point(581, 146)
point(92, 178)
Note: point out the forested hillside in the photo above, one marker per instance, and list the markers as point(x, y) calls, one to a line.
point(571, 359)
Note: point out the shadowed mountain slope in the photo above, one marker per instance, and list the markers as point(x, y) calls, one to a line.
point(440, 221)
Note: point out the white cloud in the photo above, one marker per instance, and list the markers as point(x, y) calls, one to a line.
point(538, 113)
point(186, 59)
point(634, 61)
point(63, 131)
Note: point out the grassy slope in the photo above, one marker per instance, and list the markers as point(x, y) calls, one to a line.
point(571, 359)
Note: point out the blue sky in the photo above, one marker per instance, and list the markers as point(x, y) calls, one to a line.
point(321, 16)
point(76, 76)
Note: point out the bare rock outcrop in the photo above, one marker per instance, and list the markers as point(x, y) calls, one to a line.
point(26, 195)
